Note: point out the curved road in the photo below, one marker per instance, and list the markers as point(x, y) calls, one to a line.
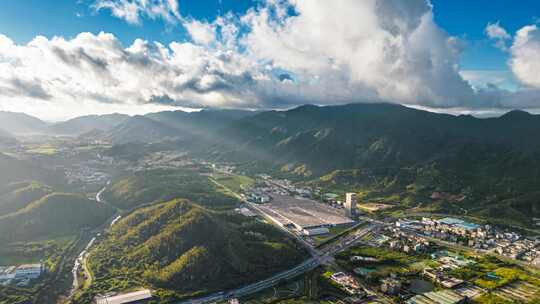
point(319, 258)
point(80, 261)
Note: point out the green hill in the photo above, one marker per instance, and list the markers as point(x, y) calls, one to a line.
point(84, 124)
point(160, 185)
point(140, 129)
point(53, 215)
point(369, 135)
point(19, 195)
point(180, 249)
point(172, 125)
point(13, 170)
point(20, 123)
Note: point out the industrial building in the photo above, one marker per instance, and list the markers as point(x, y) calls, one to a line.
point(302, 214)
point(28, 271)
point(137, 297)
point(316, 231)
point(21, 272)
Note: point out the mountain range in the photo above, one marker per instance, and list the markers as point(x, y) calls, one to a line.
point(360, 135)
point(120, 129)
point(173, 125)
point(84, 124)
point(20, 123)
point(393, 148)
point(6, 139)
point(397, 154)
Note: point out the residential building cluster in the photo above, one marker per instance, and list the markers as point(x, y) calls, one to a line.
point(391, 286)
point(479, 237)
point(86, 173)
point(155, 160)
point(268, 184)
point(400, 238)
point(348, 283)
point(20, 275)
point(406, 242)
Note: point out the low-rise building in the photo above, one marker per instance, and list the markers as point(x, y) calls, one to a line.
point(137, 297)
point(28, 271)
point(7, 273)
point(316, 231)
point(437, 297)
point(245, 212)
point(347, 283)
point(390, 286)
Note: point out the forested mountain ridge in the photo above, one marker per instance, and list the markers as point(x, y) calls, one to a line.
point(55, 214)
point(84, 124)
point(358, 135)
point(20, 123)
point(494, 162)
point(180, 248)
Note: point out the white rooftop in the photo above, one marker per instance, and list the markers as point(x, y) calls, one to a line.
point(302, 212)
point(125, 298)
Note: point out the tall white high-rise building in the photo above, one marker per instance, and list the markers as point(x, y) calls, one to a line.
point(350, 204)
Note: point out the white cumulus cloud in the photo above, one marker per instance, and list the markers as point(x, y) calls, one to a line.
point(525, 52)
point(201, 32)
point(363, 51)
point(64, 77)
point(379, 50)
point(132, 10)
point(496, 32)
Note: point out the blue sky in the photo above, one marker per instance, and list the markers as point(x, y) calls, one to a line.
point(468, 19)
point(23, 20)
point(315, 52)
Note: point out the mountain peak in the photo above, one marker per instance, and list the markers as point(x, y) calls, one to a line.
point(516, 114)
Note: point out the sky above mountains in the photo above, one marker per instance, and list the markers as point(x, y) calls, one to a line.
point(60, 59)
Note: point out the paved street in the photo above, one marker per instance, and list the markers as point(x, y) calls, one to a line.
point(322, 257)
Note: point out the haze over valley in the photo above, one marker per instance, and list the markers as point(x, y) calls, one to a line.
point(277, 152)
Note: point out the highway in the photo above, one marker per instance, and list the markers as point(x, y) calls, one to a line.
point(98, 195)
point(319, 258)
point(81, 259)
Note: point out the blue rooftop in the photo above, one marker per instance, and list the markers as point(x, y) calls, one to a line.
point(459, 223)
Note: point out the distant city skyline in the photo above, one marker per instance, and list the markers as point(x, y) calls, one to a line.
point(65, 58)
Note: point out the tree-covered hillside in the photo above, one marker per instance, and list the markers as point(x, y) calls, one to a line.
point(160, 185)
point(84, 124)
point(369, 135)
point(180, 249)
point(53, 215)
point(20, 123)
point(13, 170)
point(16, 196)
point(402, 153)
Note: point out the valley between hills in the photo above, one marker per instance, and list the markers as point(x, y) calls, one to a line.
point(221, 205)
